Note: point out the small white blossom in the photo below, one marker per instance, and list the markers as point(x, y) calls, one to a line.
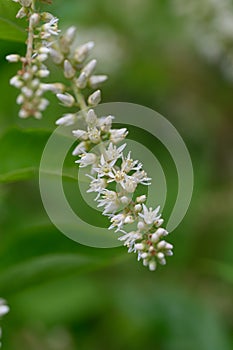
point(81, 148)
point(86, 159)
point(96, 185)
point(117, 135)
point(149, 216)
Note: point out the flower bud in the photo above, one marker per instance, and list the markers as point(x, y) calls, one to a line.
point(21, 13)
point(69, 71)
point(34, 19)
point(152, 265)
point(81, 82)
point(13, 58)
point(67, 99)
point(56, 56)
point(69, 35)
point(96, 80)
point(67, 119)
point(81, 148)
point(129, 219)
point(89, 68)
point(161, 245)
point(91, 118)
point(139, 246)
point(138, 207)
point(43, 73)
point(80, 134)
point(82, 51)
point(16, 82)
point(95, 98)
point(141, 199)
point(25, 3)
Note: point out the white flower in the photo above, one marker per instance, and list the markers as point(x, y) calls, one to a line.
point(96, 185)
point(50, 28)
point(149, 216)
point(117, 135)
point(94, 135)
point(86, 159)
point(129, 164)
point(114, 153)
point(141, 177)
point(81, 148)
point(130, 239)
point(80, 134)
point(105, 123)
point(109, 201)
point(129, 184)
point(117, 221)
point(116, 175)
point(104, 166)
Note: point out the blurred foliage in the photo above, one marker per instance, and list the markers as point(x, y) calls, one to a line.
point(67, 296)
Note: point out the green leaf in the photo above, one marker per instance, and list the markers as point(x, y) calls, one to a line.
point(10, 27)
point(20, 153)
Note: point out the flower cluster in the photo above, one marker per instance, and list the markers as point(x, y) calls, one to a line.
point(210, 23)
point(42, 30)
point(115, 177)
point(4, 309)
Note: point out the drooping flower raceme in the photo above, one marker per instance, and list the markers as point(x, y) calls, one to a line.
point(114, 175)
point(4, 309)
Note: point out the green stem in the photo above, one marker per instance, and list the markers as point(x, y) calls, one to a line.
point(30, 35)
point(80, 99)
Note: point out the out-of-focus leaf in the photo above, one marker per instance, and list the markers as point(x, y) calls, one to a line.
point(10, 27)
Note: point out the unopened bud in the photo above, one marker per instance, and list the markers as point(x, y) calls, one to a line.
point(67, 99)
point(82, 51)
point(95, 98)
point(66, 120)
point(13, 58)
point(89, 68)
point(139, 246)
point(91, 118)
point(34, 19)
point(56, 56)
point(25, 3)
point(21, 13)
point(69, 71)
point(152, 265)
point(96, 80)
point(129, 219)
point(141, 199)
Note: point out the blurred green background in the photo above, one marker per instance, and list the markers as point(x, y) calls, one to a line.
point(67, 296)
